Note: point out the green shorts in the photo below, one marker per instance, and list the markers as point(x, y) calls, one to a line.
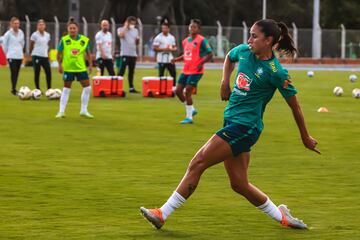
point(70, 76)
point(191, 79)
point(240, 138)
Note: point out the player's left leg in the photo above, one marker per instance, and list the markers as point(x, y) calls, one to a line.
point(46, 65)
point(36, 65)
point(85, 96)
point(236, 168)
point(110, 67)
point(132, 64)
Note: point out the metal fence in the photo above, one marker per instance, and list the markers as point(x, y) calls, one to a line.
point(335, 43)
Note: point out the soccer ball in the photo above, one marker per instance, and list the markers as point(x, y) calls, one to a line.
point(24, 93)
point(36, 94)
point(352, 78)
point(57, 93)
point(356, 93)
point(310, 74)
point(49, 93)
point(338, 91)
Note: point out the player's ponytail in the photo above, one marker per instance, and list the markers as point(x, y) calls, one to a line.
point(280, 34)
point(285, 43)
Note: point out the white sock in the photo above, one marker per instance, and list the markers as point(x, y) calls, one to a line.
point(64, 98)
point(174, 202)
point(189, 110)
point(192, 107)
point(271, 210)
point(85, 96)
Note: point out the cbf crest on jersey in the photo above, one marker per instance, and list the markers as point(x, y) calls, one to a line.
point(74, 51)
point(243, 81)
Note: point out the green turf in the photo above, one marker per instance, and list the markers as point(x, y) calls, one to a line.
point(77, 178)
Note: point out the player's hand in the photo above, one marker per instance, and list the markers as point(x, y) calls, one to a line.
point(225, 90)
point(60, 69)
point(172, 61)
point(310, 143)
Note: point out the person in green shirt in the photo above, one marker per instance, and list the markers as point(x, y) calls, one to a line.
point(72, 50)
point(259, 75)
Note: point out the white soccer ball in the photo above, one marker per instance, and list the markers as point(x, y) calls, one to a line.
point(57, 94)
point(24, 93)
point(356, 93)
point(338, 91)
point(310, 73)
point(36, 94)
point(50, 94)
point(352, 78)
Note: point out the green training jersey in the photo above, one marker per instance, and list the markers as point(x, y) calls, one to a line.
point(73, 53)
point(255, 84)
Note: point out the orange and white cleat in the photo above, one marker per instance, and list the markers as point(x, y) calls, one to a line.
point(288, 220)
point(154, 216)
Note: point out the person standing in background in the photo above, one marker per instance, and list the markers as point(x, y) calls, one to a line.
point(104, 55)
point(39, 48)
point(197, 52)
point(164, 45)
point(72, 50)
point(129, 39)
point(13, 44)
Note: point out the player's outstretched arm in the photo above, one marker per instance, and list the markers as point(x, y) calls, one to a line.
point(225, 90)
point(308, 141)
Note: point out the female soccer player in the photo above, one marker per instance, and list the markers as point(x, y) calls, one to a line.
point(13, 44)
point(71, 51)
point(197, 52)
point(259, 75)
point(39, 48)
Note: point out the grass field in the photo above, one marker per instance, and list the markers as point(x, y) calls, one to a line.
point(76, 178)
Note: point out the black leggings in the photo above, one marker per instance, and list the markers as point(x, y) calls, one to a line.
point(108, 64)
point(39, 62)
point(131, 62)
point(15, 65)
point(170, 67)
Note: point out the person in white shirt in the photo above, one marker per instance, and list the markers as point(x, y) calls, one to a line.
point(164, 45)
point(39, 48)
point(129, 39)
point(104, 55)
point(13, 44)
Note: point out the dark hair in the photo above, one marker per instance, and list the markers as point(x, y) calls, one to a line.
point(165, 24)
point(72, 21)
point(280, 33)
point(197, 21)
point(131, 18)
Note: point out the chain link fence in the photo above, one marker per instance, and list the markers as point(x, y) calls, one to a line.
point(230, 36)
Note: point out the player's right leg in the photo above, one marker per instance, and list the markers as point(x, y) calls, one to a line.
point(68, 79)
point(213, 152)
point(236, 167)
